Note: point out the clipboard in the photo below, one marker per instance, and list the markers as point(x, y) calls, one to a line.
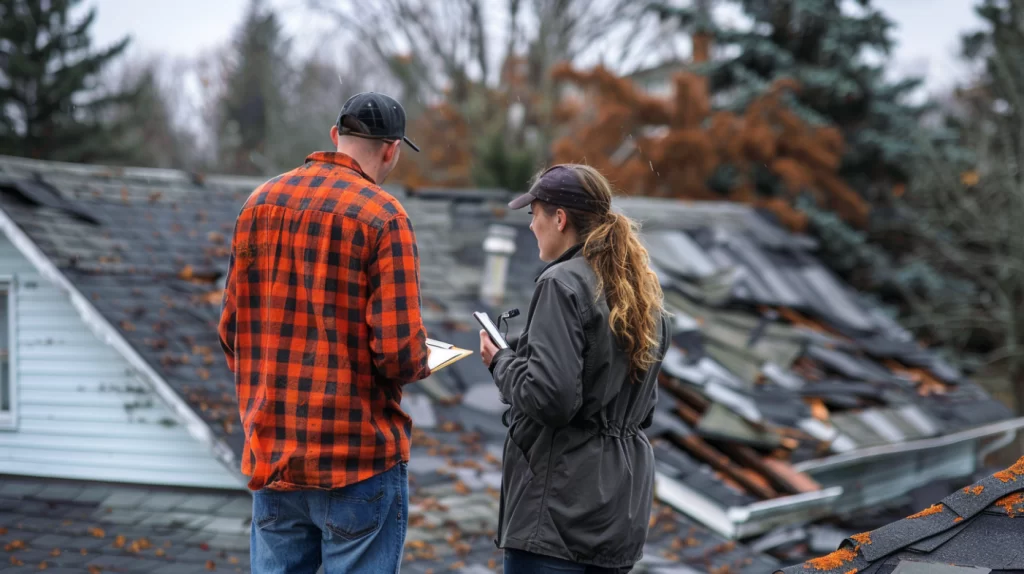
point(441, 354)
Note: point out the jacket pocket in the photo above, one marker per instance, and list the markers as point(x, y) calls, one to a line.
point(356, 510)
point(516, 477)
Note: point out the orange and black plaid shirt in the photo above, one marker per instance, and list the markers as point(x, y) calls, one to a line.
point(321, 326)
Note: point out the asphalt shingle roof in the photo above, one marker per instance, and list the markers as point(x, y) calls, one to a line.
point(774, 362)
point(63, 527)
point(979, 528)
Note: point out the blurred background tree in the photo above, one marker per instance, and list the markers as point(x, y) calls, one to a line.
point(788, 105)
point(51, 103)
point(968, 213)
point(456, 69)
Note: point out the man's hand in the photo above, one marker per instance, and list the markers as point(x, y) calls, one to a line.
point(487, 348)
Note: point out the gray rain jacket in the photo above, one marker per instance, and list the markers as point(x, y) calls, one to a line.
point(578, 471)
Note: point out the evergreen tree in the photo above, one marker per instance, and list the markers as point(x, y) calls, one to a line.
point(996, 51)
point(251, 110)
point(967, 214)
point(836, 52)
point(51, 103)
point(827, 49)
point(152, 136)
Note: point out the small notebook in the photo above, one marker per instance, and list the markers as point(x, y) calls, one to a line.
point(442, 354)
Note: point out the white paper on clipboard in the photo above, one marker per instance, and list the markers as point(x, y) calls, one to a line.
point(441, 354)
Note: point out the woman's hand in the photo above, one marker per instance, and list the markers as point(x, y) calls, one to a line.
point(487, 348)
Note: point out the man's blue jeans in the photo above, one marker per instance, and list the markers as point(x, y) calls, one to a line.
point(356, 529)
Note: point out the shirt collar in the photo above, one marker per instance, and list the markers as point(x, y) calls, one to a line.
point(339, 159)
point(565, 256)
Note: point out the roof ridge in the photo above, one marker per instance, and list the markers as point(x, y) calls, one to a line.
point(129, 172)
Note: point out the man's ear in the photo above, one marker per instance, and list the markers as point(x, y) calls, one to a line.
point(334, 135)
point(390, 151)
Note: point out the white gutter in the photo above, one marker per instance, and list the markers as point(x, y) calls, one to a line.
point(107, 333)
point(864, 454)
point(762, 516)
point(743, 521)
point(693, 504)
point(1004, 440)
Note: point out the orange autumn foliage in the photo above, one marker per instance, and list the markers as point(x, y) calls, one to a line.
point(443, 135)
point(671, 147)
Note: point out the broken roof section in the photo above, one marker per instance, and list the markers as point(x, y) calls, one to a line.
point(148, 269)
point(975, 530)
point(777, 366)
point(777, 373)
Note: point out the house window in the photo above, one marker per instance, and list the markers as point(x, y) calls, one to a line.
point(7, 346)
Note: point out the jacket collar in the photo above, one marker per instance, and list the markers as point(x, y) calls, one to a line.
point(340, 159)
point(565, 256)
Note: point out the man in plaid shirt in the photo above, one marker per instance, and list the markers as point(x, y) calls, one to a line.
point(321, 326)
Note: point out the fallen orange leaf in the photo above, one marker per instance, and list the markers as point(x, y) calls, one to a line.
point(15, 545)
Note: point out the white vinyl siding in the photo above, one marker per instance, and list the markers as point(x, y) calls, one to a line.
point(82, 413)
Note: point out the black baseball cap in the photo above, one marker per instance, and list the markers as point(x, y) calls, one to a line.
point(560, 186)
point(374, 116)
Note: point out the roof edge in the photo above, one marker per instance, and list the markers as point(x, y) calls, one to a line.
point(693, 504)
point(759, 517)
point(861, 455)
point(743, 521)
point(106, 332)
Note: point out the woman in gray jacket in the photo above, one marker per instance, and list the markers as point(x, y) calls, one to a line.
point(578, 471)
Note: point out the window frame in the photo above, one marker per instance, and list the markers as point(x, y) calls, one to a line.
point(9, 419)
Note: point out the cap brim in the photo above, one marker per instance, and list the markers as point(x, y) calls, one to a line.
point(522, 201)
point(412, 145)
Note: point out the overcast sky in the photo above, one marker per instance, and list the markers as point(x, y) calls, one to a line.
point(927, 30)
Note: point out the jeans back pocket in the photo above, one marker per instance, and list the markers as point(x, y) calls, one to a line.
point(266, 505)
point(356, 510)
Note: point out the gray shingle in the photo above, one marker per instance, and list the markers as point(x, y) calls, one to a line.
point(239, 507)
point(930, 567)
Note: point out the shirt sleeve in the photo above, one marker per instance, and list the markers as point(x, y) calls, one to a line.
point(228, 316)
point(544, 378)
point(398, 339)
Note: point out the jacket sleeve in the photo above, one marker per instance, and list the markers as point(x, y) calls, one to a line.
point(398, 339)
point(227, 327)
point(544, 378)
